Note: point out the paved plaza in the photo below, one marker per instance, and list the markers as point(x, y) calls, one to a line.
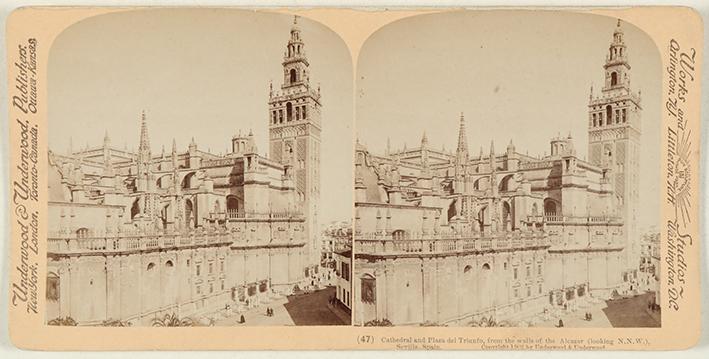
point(626, 312)
point(300, 309)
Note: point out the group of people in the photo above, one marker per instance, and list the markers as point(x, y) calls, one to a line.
point(653, 306)
point(587, 317)
point(269, 312)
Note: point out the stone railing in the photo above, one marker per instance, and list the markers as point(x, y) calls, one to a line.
point(219, 162)
point(135, 241)
point(536, 165)
point(557, 219)
point(57, 244)
point(451, 245)
point(232, 214)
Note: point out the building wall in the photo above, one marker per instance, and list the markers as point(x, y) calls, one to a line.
point(451, 290)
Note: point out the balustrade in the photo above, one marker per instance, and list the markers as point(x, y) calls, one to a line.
point(377, 244)
point(126, 242)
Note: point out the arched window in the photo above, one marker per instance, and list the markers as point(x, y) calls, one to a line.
point(135, 208)
point(506, 216)
point(609, 115)
point(151, 265)
point(164, 216)
point(535, 210)
point(369, 289)
point(232, 204)
point(550, 207)
point(398, 235)
point(452, 211)
point(169, 264)
point(481, 217)
point(53, 289)
point(289, 112)
point(467, 269)
point(188, 213)
point(293, 76)
point(303, 112)
point(486, 266)
point(614, 78)
point(82, 233)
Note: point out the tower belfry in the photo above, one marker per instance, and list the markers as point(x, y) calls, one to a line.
point(294, 132)
point(614, 123)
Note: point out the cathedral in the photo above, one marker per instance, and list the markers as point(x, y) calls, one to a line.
point(453, 238)
point(137, 235)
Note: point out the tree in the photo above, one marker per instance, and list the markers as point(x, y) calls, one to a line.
point(379, 323)
point(172, 320)
point(63, 321)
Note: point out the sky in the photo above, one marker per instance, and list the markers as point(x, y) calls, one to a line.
point(201, 73)
point(523, 76)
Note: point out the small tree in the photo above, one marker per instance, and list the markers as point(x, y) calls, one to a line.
point(172, 320)
point(379, 323)
point(115, 323)
point(63, 321)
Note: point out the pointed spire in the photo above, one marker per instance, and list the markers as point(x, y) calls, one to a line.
point(493, 164)
point(590, 95)
point(106, 139)
point(71, 147)
point(462, 139)
point(144, 139)
point(424, 140)
point(174, 146)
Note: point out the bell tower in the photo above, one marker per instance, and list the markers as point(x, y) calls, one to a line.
point(294, 134)
point(614, 123)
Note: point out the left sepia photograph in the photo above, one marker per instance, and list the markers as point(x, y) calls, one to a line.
point(195, 171)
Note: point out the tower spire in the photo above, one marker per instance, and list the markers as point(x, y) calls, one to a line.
point(462, 140)
point(144, 139)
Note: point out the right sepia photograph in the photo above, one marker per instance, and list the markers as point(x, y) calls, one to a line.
point(507, 172)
